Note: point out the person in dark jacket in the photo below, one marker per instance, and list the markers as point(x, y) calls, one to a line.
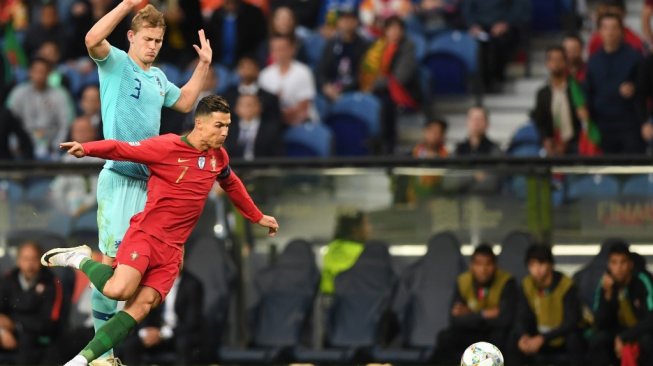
point(250, 135)
point(557, 114)
point(548, 316)
point(614, 101)
point(623, 310)
point(31, 300)
point(337, 71)
point(175, 326)
point(483, 307)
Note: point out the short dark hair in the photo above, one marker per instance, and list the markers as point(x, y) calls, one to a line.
point(212, 103)
point(484, 249)
point(575, 37)
point(540, 253)
point(444, 125)
point(620, 247)
point(288, 37)
point(394, 20)
point(39, 59)
point(30, 244)
point(551, 49)
point(347, 222)
point(614, 16)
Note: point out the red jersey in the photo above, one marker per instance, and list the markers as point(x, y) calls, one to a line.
point(181, 178)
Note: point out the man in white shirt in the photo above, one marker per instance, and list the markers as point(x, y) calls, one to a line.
point(290, 80)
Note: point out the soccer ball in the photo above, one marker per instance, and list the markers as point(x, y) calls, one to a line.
point(482, 354)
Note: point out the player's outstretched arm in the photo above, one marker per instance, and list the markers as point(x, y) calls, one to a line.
point(74, 148)
point(96, 43)
point(270, 223)
point(191, 90)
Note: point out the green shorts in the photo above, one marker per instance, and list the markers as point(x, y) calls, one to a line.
point(119, 198)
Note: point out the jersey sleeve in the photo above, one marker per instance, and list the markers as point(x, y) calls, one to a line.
point(113, 61)
point(145, 152)
point(237, 193)
point(172, 93)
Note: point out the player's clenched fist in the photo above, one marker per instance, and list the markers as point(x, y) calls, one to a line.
point(270, 223)
point(74, 148)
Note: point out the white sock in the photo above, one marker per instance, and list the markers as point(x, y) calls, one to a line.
point(78, 360)
point(76, 260)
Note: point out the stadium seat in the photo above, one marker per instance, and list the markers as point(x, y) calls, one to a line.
point(640, 185)
point(587, 278)
point(47, 239)
point(592, 187)
point(513, 252)
point(526, 135)
point(286, 292)
point(419, 42)
point(322, 105)
point(314, 43)
point(360, 303)
point(354, 120)
point(310, 139)
point(452, 60)
point(226, 78)
point(545, 15)
point(172, 72)
point(87, 220)
point(422, 301)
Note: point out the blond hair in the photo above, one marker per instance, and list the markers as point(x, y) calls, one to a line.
point(148, 17)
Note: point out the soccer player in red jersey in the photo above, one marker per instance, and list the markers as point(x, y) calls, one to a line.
point(182, 172)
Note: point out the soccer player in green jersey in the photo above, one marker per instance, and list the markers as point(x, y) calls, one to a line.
point(132, 93)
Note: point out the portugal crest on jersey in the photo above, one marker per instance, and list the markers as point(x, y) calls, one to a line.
point(201, 161)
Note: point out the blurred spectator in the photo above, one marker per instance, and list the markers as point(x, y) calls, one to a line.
point(251, 136)
point(330, 13)
point(482, 308)
point(183, 19)
point(647, 15)
point(623, 311)
point(306, 12)
point(547, 324)
point(558, 113)
point(30, 305)
point(290, 80)
point(248, 75)
point(573, 46)
point(496, 24)
point(611, 93)
point(645, 88)
point(45, 112)
point(76, 194)
point(85, 13)
point(175, 326)
point(50, 51)
point(283, 23)
point(237, 29)
point(618, 8)
point(339, 65)
point(47, 29)
point(477, 142)
point(432, 17)
point(375, 13)
point(209, 6)
point(352, 230)
point(89, 107)
point(389, 69)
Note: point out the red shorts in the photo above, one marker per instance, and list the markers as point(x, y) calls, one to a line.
point(157, 261)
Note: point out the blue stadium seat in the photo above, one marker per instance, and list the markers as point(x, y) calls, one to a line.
point(419, 42)
point(513, 252)
point(457, 43)
point(593, 186)
point(172, 72)
point(354, 120)
point(226, 78)
point(641, 185)
point(360, 301)
point(525, 135)
point(86, 220)
point(322, 105)
point(451, 59)
point(314, 46)
point(47, 239)
point(423, 299)
point(286, 292)
point(545, 15)
point(308, 140)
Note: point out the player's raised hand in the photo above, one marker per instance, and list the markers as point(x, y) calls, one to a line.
point(74, 148)
point(133, 3)
point(270, 223)
point(204, 50)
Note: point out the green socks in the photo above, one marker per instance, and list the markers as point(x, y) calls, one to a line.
point(104, 309)
point(96, 272)
point(112, 333)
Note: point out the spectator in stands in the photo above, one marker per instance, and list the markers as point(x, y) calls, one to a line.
point(352, 230)
point(238, 28)
point(45, 112)
point(647, 15)
point(559, 107)
point(573, 46)
point(339, 65)
point(174, 326)
point(49, 51)
point(390, 70)
point(47, 29)
point(89, 107)
point(618, 8)
point(548, 315)
point(248, 76)
point(30, 305)
point(291, 81)
point(611, 93)
point(375, 13)
point(183, 18)
point(432, 17)
point(76, 194)
point(84, 15)
point(477, 143)
point(284, 23)
point(251, 136)
point(482, 308)
point(305, 12)
point(496, 23)
point(623, 311)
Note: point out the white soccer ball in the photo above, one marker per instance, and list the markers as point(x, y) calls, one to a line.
point(482, 354)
